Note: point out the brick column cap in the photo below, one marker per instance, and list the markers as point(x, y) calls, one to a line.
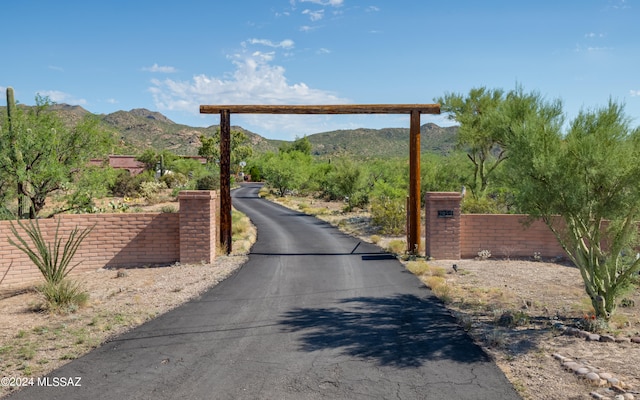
point(197, 194)
point(443, 195)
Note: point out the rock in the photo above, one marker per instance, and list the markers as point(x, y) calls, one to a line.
point(613, 381)
point(597, 395)
point(628, 396)
point(605, 375)
point(593, 337)
point(623, 340)
point(607, 339)
point(571, 331)
point(635, 339)
point(584, 334)
point(559, 357)
point(572, 366)
point(584, 371)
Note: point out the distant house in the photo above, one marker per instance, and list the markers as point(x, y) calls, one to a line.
point(131, 164)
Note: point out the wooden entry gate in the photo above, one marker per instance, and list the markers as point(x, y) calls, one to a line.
point(414, 110)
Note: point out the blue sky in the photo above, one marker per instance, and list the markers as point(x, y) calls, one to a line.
point(174, 56)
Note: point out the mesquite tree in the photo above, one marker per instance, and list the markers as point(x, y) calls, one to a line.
point(590, 178)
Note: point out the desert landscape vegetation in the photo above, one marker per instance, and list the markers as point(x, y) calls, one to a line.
point(511, 153)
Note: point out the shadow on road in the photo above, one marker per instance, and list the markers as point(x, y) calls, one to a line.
point(401, 331)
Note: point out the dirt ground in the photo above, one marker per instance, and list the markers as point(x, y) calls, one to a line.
point(539, 293)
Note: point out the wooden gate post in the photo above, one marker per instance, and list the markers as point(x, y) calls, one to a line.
point(225, 180)
point(413, 246)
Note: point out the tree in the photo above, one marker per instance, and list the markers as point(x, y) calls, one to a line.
point(590, 178)
point(240, 151)
point(483, 143)
point(300, 144)
point(286, 171)
point(52, 156)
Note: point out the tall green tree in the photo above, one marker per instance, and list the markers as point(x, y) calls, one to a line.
point(590, 178)
point(52, 155)
point(286, 171)
point(240, 149)
point(477, 136)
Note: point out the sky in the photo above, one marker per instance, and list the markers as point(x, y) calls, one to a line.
point(174, 56)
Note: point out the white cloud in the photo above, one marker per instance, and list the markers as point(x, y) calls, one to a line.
point(333, 3)
point(255, 80)
point(159, 68)
point(61, 97)
point(307, 28)
point(372, 9)
point(634, 93)
point(314, 15)
point(55, 68)
point(592, 35)
point(285, 44)
point(323, 51)
point(112, 101)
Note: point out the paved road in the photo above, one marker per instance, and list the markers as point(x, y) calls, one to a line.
point(313, 314)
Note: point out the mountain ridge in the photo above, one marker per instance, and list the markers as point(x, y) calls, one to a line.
point(139, 129)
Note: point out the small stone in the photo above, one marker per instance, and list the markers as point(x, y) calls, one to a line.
point(571, 331)
point(559, 357)
point(635, 339)
point(593, 337)
point(613, 381)
point(605, 375)
point(572, 365)
point(584, 371)
point(623, 340)
point(618, 387)
point(584, 334)
point(597, 395)
point(628, 396)
point(593, 378)
point(618, 397)
point(607, 339)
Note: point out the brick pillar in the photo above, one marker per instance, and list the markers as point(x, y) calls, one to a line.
point(197, 226)
point(442, 225)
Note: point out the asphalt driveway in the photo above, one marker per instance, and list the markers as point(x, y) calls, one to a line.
point(313, 314)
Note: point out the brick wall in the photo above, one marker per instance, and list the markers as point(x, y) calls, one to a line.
point(506, 236)
point(452, 235)
point(124, 239)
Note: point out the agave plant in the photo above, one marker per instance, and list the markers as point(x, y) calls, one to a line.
point(52, 259)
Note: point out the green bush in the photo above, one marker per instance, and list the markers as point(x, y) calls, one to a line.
point(64, 296)
point(175, 180)
point(389, 214)
point(208, 182)
point(151, 189)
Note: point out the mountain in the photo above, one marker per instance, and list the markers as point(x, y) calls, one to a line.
point(139, 129)
point(387, 142)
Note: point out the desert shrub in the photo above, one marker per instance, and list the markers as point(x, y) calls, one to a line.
point(63, 296)
point(483, 205)
point(418, 267)
point(388, 208)
point(208, 182)
point(175, 180)
point(375, 239)
point(396, 246)
point(52, 260)
point(169, 209)
point(150, 190)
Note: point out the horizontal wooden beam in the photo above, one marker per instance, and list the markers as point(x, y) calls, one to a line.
point(323, 109)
